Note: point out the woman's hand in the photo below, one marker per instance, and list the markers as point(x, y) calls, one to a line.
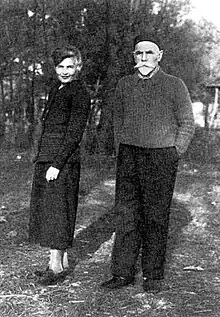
point(52, 173)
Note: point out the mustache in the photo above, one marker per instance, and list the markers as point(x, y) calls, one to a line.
point(141, 64)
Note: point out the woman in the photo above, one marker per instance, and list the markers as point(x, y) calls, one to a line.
point(54, 195)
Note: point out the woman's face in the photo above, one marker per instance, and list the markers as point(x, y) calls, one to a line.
point(66, 70)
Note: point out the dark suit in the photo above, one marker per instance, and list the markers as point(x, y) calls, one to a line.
point(53, 204)
point(63, 124)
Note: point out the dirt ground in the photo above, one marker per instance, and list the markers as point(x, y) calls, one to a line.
point(192, 279)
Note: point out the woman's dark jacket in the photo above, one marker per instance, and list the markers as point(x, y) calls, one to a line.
point(63, 123)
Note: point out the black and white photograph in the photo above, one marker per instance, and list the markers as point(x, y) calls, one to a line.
point(109, 158)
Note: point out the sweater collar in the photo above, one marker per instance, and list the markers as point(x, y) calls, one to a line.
point(154, 76)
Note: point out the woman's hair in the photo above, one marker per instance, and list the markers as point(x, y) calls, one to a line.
point(59, 54)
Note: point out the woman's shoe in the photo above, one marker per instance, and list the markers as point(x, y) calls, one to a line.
point(51, 278)
point(40, 273)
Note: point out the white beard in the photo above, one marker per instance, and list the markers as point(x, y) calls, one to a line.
point(145, 70)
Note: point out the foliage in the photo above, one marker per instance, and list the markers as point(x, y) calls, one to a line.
point(104, 32)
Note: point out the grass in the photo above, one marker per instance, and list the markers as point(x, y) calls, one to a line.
point(192, 280)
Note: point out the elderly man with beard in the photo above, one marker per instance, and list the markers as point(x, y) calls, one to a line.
point(154, 124)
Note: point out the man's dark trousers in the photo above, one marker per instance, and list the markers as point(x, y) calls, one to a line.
point(145, 182)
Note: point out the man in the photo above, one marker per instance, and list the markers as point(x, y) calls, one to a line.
point(154, 124)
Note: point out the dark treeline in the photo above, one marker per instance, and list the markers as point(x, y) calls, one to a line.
point(104, 32)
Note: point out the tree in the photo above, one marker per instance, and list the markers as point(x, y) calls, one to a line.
point(104, 31)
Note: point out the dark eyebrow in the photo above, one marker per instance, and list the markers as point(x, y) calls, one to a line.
point(147, 52)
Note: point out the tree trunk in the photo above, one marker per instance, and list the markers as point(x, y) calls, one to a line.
point(105, 129)
point(2, 113)
point(31, 116)
point(31, 106)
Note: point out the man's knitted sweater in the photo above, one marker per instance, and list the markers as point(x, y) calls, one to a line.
point(153, 113)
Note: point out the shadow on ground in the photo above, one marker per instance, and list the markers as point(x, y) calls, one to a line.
point(89, 240)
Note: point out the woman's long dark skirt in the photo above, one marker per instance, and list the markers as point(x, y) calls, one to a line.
point(53, 207)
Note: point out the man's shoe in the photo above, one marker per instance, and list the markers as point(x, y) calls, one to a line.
point(118, 282)
point(51, 278)
point(152, 286)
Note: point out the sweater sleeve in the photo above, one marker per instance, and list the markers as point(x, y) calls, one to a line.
point(75, 128)
point(185, 117)
point(118, 115)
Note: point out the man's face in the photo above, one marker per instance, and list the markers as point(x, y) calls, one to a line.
point(66, 70)
point(147, 56)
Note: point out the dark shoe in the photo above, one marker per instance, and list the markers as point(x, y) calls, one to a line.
point(51, 278)
point(152, 286)
point(118, 282)
point(40, 273)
